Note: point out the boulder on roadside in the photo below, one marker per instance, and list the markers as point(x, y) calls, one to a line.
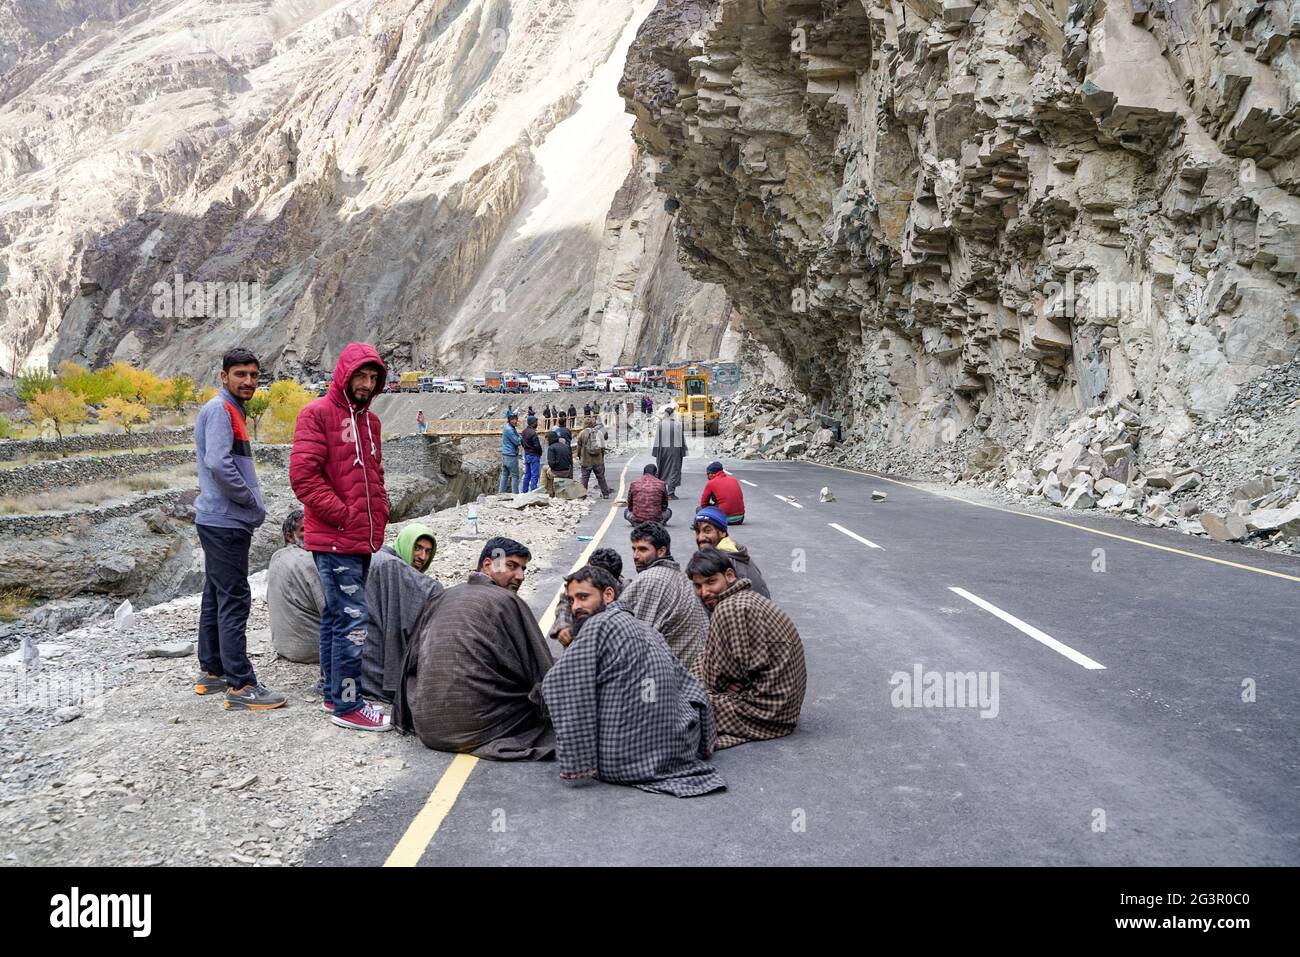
point(1224, 528)
point(537, 496)
point(569, 489)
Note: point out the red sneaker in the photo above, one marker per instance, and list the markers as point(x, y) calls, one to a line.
point(365, 718)
point(327, 706)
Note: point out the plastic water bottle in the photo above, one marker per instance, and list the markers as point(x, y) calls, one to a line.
point(473, 518)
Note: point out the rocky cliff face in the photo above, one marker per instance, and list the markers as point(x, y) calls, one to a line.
point(982, 217)
point(434, 176)
point(644, 303)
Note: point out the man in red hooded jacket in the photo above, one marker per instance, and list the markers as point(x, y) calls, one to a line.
point(337, 472)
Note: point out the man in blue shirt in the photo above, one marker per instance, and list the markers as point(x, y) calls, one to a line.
point(510, 444)
point(228, 509)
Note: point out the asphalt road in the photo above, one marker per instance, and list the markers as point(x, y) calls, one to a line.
point(1118, 735)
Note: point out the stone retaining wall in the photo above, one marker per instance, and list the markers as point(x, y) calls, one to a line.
point(422, 455)
point(63, 473)
point(53, 523)
point(11, 449)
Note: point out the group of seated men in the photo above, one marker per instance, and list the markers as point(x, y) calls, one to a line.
point(658, 671)
point(647, 497)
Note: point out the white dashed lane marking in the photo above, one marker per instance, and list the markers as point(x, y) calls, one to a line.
point(1078, 657)
point(786, 500)
point(854, 535)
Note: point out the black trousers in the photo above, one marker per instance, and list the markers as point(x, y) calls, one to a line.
point(223, 615)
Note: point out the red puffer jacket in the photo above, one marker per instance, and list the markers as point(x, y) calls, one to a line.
point(336, 468)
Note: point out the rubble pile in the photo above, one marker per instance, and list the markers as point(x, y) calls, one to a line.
point(1236, 478)
point(766, 422)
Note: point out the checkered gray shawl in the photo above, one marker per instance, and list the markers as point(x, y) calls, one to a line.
point(625, 711)
point(664, 598)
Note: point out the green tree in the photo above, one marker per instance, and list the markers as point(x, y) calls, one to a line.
point(33, 381)
point(178, 391)
point(256, 407)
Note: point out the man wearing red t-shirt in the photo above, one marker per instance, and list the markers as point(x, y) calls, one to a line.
point(724, 491)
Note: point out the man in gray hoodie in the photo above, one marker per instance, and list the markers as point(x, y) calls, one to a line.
point(227, 511)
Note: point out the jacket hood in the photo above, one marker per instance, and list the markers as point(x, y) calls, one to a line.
point(353, 357)
point(406, 539)
point(732, 547)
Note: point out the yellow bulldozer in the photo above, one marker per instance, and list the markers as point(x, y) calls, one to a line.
point(695, 404)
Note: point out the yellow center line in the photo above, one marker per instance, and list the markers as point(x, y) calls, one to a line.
point(419, 833)
point(1058, 521)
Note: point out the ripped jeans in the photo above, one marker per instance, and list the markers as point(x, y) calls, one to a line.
point(343, 624)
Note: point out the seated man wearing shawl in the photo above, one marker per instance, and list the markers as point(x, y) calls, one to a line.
point(293, 596)
point(606, 558)
point(662, 596)
point(472, 679)
point(625, 710)
point(752, 665)
point(398, 586)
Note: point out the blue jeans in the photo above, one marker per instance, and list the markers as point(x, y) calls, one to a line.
point(343, 624)
point(532, 471)
point(509, 474)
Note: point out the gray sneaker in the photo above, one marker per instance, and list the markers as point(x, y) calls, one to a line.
point(210, 684)
point(252, 698)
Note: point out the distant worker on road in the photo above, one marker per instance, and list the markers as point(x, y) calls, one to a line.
point(511, 442)
point(722, 489)
point(532, 445)
point(591, 455)
point(669, 450)
point(647, 499)
point(420, 423)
